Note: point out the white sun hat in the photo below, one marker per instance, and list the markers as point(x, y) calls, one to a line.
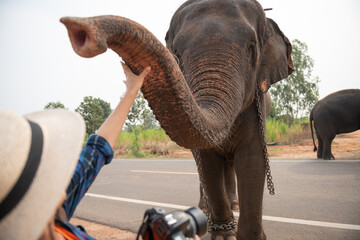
point(35, 173)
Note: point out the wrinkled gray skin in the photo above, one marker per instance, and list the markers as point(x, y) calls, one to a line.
point(230, 188)
point(231, 44)
point(337, 113)
point(230, 178)
point(225, 50)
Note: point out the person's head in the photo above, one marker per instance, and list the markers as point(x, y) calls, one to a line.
point(38, 155)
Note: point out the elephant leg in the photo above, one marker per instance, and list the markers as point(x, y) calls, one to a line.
point(327, 148)
point(321, 145)
point(250, 171)
point(202, 201)
point(211, 167)
point(230, 184)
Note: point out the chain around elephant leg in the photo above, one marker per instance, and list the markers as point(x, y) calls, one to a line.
point(224, 231)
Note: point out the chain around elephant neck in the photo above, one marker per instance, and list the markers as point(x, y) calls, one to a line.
point(270, 184)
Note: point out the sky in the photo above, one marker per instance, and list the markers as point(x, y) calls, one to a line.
point(38, 65)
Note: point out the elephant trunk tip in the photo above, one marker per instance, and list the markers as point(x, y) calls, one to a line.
point(83, 40)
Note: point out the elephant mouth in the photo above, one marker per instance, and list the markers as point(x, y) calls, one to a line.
point(188, 123)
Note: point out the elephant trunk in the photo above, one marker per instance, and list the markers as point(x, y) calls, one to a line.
point(186, 122)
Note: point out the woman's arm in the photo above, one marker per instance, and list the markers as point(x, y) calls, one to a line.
point(111, 128)
point(98, 149)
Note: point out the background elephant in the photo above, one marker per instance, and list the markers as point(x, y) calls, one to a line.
point(205, 91)
point(229, 172)
point(337, 113)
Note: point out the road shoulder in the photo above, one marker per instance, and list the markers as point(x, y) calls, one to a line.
point(103, 232)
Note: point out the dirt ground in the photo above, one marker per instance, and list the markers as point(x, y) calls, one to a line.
point(102, 232)
point(344, 146)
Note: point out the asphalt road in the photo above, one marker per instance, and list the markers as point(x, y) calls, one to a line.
point(314, 200)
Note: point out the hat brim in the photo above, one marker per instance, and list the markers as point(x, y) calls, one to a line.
point(63, 133)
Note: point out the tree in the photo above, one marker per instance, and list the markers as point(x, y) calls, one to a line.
point(150, 121)
point(91, 109)
point(140, 115)
point(54, 105)
point(293, 97)
point(105, 106)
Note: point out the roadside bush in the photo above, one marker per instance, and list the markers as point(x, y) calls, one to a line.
point(275, 130)
point(155, 142)
point(144, 143)
point(280, 132)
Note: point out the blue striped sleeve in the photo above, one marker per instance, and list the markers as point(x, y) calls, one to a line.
point(96, 153)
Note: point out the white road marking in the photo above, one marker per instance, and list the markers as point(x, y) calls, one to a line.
point(153, 160)
point(271, 160)
point(165, 172)
point(129, 200)
point(268, 218)
point(313, 161)
point(312, 223)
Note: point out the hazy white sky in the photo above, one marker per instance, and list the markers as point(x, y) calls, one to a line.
point(38, 65)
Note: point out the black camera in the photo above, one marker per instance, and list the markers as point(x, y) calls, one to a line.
point(177, 225)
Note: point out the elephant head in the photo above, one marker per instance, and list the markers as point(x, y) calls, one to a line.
point(228, 46)
point(218, 52)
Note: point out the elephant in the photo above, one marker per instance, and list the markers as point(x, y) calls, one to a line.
point(206, 89)
point(230, 178)
point(336, 113)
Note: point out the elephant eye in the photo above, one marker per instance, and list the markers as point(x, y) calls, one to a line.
point(251, 48)
point(177, 58)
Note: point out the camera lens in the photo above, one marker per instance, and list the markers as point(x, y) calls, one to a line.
point(174, 225)
point(199, 220)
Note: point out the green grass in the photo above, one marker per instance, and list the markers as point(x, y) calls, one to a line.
point(154, 135)
point(152, 142)
point(149, 135)
point(155, 142)
point(275, 130)
point(278, 131)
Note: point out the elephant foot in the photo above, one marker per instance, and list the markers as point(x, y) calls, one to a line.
point(234, 204)
point(252, 235)
point(202, 205)
point(233, 200)
point(223, 235)
point(329, 158)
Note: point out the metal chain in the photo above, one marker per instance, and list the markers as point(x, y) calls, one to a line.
point(270, 184)
point(221, 227)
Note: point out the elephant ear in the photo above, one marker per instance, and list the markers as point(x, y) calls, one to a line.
point(276, 59)
point(168, 43)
